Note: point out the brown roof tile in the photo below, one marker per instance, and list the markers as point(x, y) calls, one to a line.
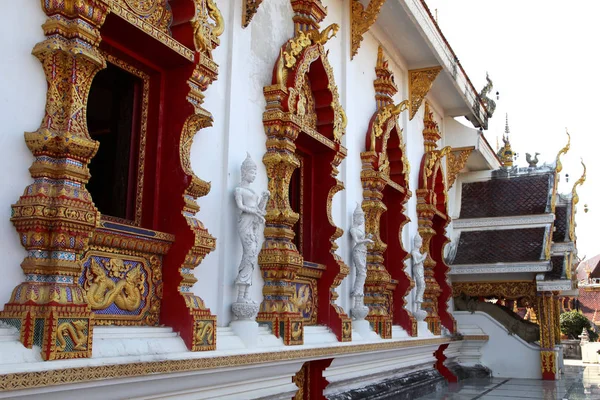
point(498, 197)
point(511, 245)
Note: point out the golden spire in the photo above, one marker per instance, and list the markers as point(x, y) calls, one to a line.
point(505, 154)
point(561, 152)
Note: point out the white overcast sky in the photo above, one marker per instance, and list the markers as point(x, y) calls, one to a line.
point(543, 57)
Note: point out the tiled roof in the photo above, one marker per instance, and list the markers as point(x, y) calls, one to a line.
point(592, 264)
point(511, 245)
point(519, 195)
point(560, 224)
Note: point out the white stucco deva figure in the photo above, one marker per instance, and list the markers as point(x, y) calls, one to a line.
point(250, 221)
point(359, 250)
point(418, 269)
point(360, 240)
point(249, 225)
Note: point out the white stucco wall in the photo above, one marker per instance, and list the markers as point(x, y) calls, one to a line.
point(246, 58)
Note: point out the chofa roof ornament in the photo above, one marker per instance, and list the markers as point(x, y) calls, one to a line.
point(490, 104)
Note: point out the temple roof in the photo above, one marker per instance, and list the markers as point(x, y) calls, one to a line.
point(592, 265)
point(507, 196)
point(495, 246)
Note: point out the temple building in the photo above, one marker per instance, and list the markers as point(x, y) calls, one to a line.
point(264, 199)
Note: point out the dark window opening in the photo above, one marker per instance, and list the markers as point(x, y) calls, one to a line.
point(113, 120)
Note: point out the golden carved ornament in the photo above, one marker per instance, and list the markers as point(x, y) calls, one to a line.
point(304, 39)
point(154, 12)
point(384, 84)
point(76, 331)
point(362, 19)
point(302, 380)
point(206, 34)
point(433, 159)
point(102, 291)
point(456, 160)
point(249, 8)
point(164, 37)
point(419, 84)
point(511, 290)
point(382, 117)
point(575, 200)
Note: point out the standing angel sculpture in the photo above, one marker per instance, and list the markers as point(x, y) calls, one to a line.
point(418, 268)
point(359, 258)
point(251, 218)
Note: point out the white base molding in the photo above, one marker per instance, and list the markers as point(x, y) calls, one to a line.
point(364, 331)
point(266, 371)
point(423, 330)
point(247, 331)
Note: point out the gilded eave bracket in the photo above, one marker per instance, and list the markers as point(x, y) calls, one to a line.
point(456, 160)
point(249, 8)
point(419, 83)
point(362, 19)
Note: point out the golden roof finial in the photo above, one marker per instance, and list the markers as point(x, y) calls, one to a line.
point(579, 182)
point(561, 152)
point(505, 154)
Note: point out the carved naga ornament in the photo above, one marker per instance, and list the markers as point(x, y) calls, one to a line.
point(362, 19)
point(575, 200)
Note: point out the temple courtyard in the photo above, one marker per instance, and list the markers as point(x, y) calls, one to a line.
point(579, 381)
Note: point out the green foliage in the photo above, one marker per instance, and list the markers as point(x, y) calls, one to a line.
point(573, 322)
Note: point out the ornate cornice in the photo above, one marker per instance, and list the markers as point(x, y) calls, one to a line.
point(419, 84)
point(455, 162)
point(501, 289)
point(80, 374)
point(525, 221)
point(362, 19)
point(465, 269)
point(249, 8)
point(551, 286)
point(561, 248)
